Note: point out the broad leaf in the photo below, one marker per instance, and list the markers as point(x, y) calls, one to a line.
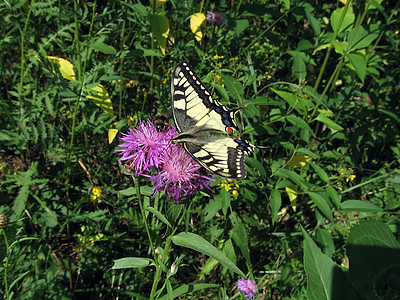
point(359, 64)
point(158, 215)
point(102, 99)
point(132, 262)
point(348, 19)
point(328, 122)
point(363, 36)
point(374, 258)
point(100, 46)
point(198, 25)
point(64, 66)
point(322, 205)
point(275, 202)
point(299, 65)
point(325, 280)
point(160, 28)
point(197, 243)
point(358, 205)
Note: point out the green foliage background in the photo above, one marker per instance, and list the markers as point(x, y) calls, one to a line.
point(317, 82)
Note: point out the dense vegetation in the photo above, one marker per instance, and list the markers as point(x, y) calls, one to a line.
point(317, 215)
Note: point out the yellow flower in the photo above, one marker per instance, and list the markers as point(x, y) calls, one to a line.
point(86, 241)
point(216, 57)
point(267, 76)
point(230, 186)
point(219, 79)
point(95, 194)
point(350, 178)
point(347, 174)
point(131, 83)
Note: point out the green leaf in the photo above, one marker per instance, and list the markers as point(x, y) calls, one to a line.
point(348, 19)
point(358, 205)
point(26, 181)
point(234, 88)
point(340, 47)
point(239, 234)
point(222, 91)
point(306, 151)
point(260, 100)
point(158, 215)
point(256, 164)
point(208, 267)
point(128, 192)
point(298, 122)
point(322, 205)
point(304, 45)
point(334, 196)
point(286, 4)
point(359, 64)
point(291, 99)
point(197, 243)
point(294, 177)
point(140, 51)
point(101, 99)
point(362, 36)
point(328, 122)
point(325, 239)
point(212, 207)
point(325, 280)
point(100, 46)
point(391, 114)
point(225, 198)
point(275, 202)
point(96, 216)
point(49, 217)
point(132, 262)
point(240, 26)
point(160, 28)
point(313, 22)
point(146, 190)
point(321, 172)
point(299, 65)
point(374, 259)
point(139, 8)
point(189, 288)
point(174, 212)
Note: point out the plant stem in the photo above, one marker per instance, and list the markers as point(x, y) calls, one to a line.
point(328, 53)
point(7, 292)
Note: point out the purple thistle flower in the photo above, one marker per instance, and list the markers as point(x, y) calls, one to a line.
point(248, 287)
point(144, 147)
point(147, 146)
point(215, 18)
point(180, 175)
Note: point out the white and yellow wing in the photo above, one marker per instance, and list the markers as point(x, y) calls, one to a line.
point(203, 124)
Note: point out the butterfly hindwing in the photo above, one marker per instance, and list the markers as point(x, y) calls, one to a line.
point(220, 155)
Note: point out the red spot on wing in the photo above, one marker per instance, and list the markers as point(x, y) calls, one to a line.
point(229, 129)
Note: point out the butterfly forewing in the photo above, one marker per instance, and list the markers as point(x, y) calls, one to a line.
point(192, 104)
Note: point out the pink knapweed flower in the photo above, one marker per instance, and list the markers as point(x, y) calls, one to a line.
point(215, 18)
point(144, 146)
point(180, 175)
point(176, 172)
point(248, 287)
